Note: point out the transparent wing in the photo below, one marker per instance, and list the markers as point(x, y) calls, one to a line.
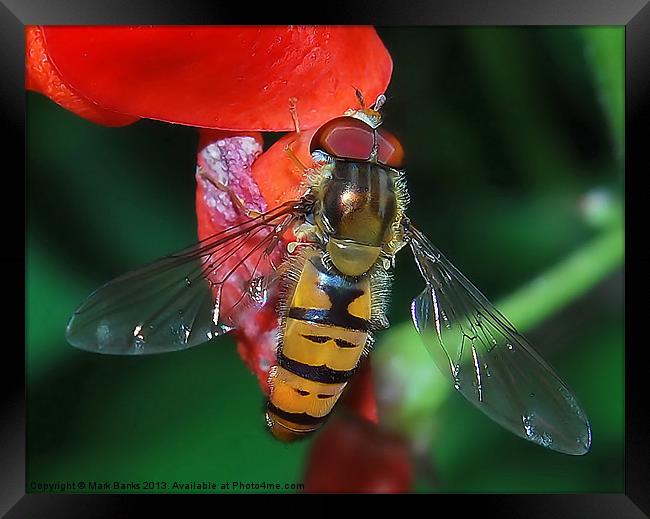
point(488, 361)
point(187, 298)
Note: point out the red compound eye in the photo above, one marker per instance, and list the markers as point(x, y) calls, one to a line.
point(344, 138)
point(391, 152)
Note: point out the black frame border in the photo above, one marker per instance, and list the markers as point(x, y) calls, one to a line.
point(633, 14)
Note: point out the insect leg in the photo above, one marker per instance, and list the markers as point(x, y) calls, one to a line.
point(236, 200)
point(293, 110)
point(288, 149)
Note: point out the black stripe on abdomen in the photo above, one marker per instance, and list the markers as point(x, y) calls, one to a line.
point(319, 316)
point(321, 339)
point(322, 374)
point(297, 418)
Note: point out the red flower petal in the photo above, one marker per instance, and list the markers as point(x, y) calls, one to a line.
point(226, 159)
point(360, 395)
point(354, 455)
point(279, 178)
point(238, 78)
point(257, 342)
point(41, 76)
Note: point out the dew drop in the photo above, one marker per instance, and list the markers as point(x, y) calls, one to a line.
point(138, 338)
point(257, 291)
point(186, 332)
point(544, 439)
point(139, 342)
point(221, 329)
point(103, 336)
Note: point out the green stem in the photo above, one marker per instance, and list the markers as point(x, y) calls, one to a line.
point(554, 289)
point(604, 48)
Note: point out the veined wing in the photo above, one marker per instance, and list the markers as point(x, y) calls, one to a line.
point(488, 361)
point(178, 301)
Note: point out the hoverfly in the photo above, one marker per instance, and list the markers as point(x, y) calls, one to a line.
point(333, 290)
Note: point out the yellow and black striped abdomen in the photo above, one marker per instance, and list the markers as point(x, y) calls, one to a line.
point(325, 330)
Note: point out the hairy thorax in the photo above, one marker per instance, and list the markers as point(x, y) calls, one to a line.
point(359, 206)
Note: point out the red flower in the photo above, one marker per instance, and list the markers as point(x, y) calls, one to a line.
point(233, 82)
point(354, 455)
point(232, 78)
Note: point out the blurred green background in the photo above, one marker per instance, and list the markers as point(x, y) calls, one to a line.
point(514, 140)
